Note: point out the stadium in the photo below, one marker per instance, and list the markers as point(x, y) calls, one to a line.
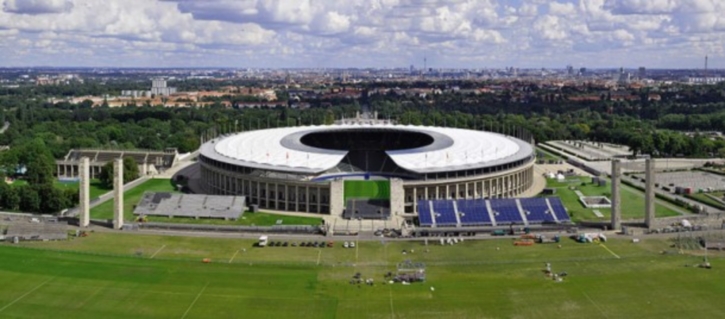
point(365, 169)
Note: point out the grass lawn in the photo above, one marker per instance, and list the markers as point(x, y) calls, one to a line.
point(96, 188)
point(548, 156)
point(701, 197)
point(117, 275)
point(131, 198)
point(248, 218)
point(632, 200)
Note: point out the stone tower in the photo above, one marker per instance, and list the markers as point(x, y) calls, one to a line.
point(649, 192)
point(616, 198)
point(85, 193)
point(118, 193)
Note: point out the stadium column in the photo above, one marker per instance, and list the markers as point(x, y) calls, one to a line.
point(616, 198)
point(286, 197)
point(118, 193)
point(307, 199)
point(649, 193)
point(297, 198)
point(415, 199)
point(84, 188)
point(267, 193)
point(276, 196)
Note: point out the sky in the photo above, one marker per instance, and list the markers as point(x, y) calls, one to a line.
point(363, 33)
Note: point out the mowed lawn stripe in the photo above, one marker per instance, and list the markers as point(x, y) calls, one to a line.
point(195, 300)
point(26, 294)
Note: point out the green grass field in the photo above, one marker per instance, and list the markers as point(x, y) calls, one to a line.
point(96, 188)
point(141, 276)
point(131, 198)
point(632, 200)
point(703, 198)
point(548, 156)
point(367, 189)
point(248, 218)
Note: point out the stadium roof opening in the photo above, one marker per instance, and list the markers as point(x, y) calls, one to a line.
point(443, 149)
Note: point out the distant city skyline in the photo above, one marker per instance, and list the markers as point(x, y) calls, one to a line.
point(472, 34)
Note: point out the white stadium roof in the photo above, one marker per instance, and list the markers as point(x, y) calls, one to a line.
point(452, 149)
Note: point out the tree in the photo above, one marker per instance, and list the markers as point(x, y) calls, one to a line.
point(52, 199)
point(38, 161)
point(130, 169)
point(106, 175)
point(130, 172)
point(29, 199)
point(11, 200)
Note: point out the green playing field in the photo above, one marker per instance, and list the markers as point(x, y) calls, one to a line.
point(142, 276)
point(367, 189)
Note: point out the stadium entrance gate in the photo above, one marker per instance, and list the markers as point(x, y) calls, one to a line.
point(366, 199)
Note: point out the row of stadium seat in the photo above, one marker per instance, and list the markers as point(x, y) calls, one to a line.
point(487, 212)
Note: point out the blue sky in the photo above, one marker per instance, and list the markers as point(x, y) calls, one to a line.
point(363, 33)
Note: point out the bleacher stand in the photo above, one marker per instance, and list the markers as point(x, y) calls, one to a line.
point(473, 212)
point(444, 213)
point(192, 206)
point(425, 218)
point(537, 210)
point(559, 209)
point(505, 211)
point(37, 231)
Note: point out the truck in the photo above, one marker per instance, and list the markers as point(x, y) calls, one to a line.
point(263, 240)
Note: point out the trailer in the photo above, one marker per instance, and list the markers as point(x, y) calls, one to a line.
point(263, 241)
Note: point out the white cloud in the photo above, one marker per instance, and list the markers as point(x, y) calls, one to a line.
point(464, 33)
point(562, 9)
point(37, 6)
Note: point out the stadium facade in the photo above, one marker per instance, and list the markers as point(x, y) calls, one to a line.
point(304, 169)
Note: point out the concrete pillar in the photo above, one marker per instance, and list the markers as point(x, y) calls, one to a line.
point(649, 193)
point(307, 199)
point(84, 218)
point(415, 200)
point(616, 197)
point(118, 193)
point(337, 201)
point(397, 196)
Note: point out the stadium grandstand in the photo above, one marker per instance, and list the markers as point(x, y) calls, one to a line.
point(365, 168)
point(149, 162)
point(190, 205)
point(37, 231)
point(492, 212)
